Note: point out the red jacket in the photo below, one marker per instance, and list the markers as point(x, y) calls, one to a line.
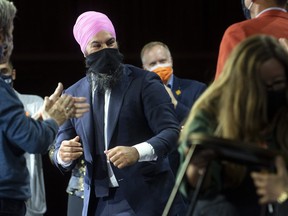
point(272, 22)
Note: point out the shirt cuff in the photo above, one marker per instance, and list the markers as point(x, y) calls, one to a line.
point(61, 162)
point(146, 152)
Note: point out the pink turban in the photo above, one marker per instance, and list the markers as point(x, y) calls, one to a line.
point(88, 24)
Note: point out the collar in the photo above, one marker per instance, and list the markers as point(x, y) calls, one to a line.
point(271, 8)
point(170, 81)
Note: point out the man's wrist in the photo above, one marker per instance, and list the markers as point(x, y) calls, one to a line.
point(61, 162)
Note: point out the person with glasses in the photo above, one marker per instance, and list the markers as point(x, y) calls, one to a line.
point(263, 17)
point(247, 103)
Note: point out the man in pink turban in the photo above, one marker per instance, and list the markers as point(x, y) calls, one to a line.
point(126, 137)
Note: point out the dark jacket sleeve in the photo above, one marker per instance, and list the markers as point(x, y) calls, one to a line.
point(20, 131)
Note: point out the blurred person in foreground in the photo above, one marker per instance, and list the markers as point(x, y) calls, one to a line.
point(247, 103)
point(36, 205)
point(263, 17)
point(21, 133)
point(274, 187)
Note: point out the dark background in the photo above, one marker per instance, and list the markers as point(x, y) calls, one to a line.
point(45, 51)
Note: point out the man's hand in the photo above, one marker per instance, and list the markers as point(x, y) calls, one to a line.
point(62, 107)
point(122, 156)
point(70, 150)
point(59, 111)
point(49, 101)
point(80, 107)
point(57, 93)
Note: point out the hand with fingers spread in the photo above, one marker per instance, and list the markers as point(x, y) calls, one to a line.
point(271, 186)
point(70, 150)
point(122, 156)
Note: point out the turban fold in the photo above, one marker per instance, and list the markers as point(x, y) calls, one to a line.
point(88, 24)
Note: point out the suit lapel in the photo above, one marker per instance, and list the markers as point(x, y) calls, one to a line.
point(176, 89)
point(115, 104)
point(87, 119)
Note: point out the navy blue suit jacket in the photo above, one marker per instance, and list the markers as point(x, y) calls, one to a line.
point(19, 134)
point(186, 93)
point(140, 110)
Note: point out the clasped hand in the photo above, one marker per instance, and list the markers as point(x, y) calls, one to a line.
point(70, 150)
point(63, 107)
point(122, 156)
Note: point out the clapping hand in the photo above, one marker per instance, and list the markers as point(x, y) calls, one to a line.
point(62, 107)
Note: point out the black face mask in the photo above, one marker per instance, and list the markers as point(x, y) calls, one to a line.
point(104, 69)
point(105, 61)
point(275, 100)
point(246, 11)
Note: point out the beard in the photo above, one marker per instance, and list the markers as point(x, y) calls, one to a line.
point(102, 81)
point(104, 69)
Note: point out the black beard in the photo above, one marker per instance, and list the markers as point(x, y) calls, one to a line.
point(104, 82)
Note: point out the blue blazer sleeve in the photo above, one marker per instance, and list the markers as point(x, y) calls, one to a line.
point(20, 131)
point(160, 115)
